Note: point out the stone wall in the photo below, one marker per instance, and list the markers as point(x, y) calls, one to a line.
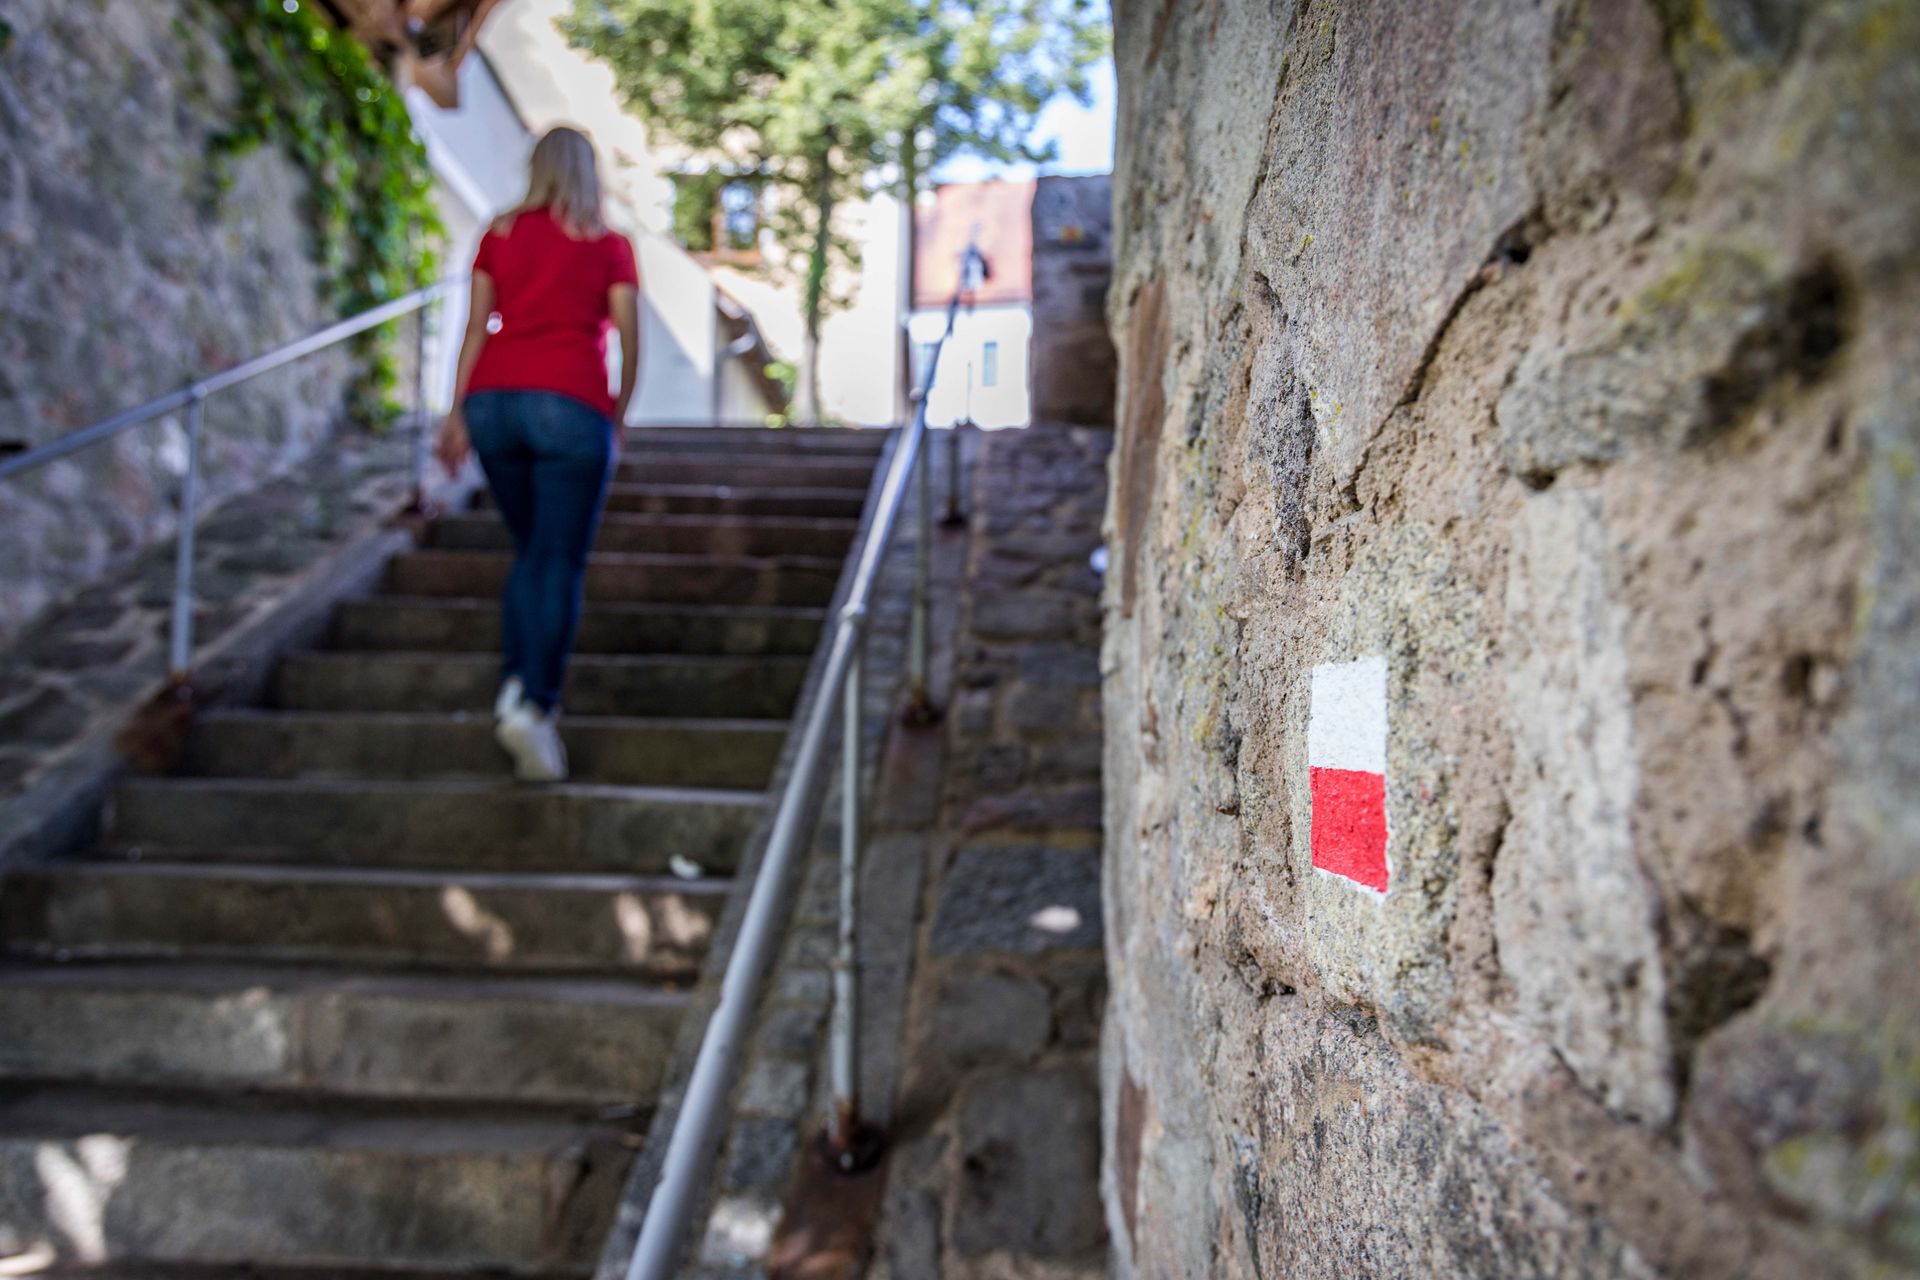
point(1073, 357)
point(1544, 374)
point(125, 272)
point(996, 1142)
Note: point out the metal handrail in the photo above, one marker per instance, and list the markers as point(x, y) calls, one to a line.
point(691, 1148)
point(193, 398)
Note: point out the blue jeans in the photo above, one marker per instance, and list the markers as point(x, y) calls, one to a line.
point(547, 458)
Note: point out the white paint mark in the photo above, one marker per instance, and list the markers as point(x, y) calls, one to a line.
point(1347, 727)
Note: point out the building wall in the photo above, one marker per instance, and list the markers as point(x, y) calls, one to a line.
point(984, 375)
point(1073, 356)
point(120, 280)
point(1518, 424)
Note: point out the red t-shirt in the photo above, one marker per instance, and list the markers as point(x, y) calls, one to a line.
point(550, 292)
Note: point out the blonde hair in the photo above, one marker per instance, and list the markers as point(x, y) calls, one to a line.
point(563, 178)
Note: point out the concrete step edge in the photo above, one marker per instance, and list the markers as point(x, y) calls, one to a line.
point(619, 608)
point(690, 520)
point(217, 979)
point(188, 1117)
point(486, 788)
point(754, 491)
point(378, 878)
point(440, 719)
point(709, 661)
point(640, 560)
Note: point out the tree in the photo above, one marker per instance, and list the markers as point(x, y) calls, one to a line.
point(831, 98)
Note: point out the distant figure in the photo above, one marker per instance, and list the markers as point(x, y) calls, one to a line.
point(532, 400)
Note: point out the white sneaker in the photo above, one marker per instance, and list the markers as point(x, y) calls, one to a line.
point(532, 738)
point(512, 694)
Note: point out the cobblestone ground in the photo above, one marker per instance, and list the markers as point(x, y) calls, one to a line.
point(80, 670)
point(995, 1173)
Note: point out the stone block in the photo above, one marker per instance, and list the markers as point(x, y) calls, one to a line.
point(983, 1015)
point(1027, 1146)
point(1049, 711)
point(792, 1031)
point(803, 986)
point(1033, 809)
point(1060, 667)
point(776, 1087)
point(761, 1155)
point(1027, 614)
point(1018, 899)
point(1574, 913)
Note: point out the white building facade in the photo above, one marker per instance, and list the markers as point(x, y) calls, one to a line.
point(985, 374)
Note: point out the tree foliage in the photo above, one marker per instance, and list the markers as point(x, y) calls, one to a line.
point(830, 99)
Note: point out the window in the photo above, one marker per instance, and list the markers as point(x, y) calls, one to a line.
point(990, 365)
point(717, 214)
point(739, 218)
point(922, 360)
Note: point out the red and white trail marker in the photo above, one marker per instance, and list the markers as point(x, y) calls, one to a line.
point(1347, 771)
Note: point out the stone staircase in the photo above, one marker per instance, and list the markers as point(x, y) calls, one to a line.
point(341, 996)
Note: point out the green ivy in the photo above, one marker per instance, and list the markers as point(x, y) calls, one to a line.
point(314, 91)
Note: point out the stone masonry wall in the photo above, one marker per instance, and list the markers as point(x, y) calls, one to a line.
point(124, 276)
point(1073, 357)
point(1555, 359)
point(996, 1140)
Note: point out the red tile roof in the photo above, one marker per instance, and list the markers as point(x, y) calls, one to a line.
point(998, 216)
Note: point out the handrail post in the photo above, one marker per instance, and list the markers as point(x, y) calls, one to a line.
point(954, 517)
point(845, 1132)
point(180, 637)
point(920, 709)
point(851, 1144)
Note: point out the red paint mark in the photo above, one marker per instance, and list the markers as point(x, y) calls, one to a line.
point(1350, 825)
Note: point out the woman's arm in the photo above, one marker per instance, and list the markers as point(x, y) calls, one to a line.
point(452, 446)
point(623, 302)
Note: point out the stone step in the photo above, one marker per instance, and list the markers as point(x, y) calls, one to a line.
point(710, 499)
point(737, 440)
point(581, 1041)
point(738, 754)
point(647, 926)
point(660, 579)
point(144, 1179)
point(731, 688)
point(745, 470)
point(473, 625)
point(721, 535)
point(466, 825)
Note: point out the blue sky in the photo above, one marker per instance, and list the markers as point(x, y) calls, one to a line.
point(1085, 135)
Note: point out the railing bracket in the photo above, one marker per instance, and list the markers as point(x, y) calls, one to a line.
point(854, 1151)
point(920, 711)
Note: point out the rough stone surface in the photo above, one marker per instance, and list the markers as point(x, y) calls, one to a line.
point(120, 281)
point(1560, 355)
point(78, 671)
point(979, 1016)
point(1019, 899)
point(1073, 357)
point(1024, 1187)
point(996, 1164)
